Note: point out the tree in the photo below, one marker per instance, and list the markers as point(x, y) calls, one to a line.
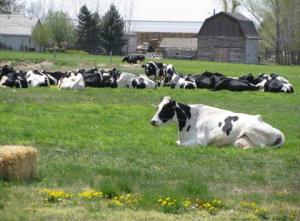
point(61, 27)
point(41, 34)
point(278, 25)
point(11, 6)
point(112, 32)
point(88, 30)
point(231, 5)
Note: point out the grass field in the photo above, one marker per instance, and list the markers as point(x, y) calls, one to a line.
point(101, 139)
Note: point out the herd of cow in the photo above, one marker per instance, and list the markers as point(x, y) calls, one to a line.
point(156, 75)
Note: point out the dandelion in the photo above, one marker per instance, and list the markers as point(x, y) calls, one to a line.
point(91, 194)
point(55, 195)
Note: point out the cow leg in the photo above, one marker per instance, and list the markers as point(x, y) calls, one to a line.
point(243, 142)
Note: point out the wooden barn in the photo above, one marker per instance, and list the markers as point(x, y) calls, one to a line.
point(228, 37)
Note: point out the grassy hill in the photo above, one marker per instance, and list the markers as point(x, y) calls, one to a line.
point(101, 139)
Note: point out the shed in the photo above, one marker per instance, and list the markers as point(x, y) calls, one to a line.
point(228, 37)
point(146, 31)
point(179, 48)
point(15, 32)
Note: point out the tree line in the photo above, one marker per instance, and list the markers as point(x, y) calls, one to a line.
point(90, 32)
point(93, 34)
point(278, 23)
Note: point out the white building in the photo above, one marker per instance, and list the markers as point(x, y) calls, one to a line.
point(15, 32)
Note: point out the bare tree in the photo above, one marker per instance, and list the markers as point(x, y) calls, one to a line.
point(230, 5)
point(128, 14)
point(36, 9)
point(277, 20)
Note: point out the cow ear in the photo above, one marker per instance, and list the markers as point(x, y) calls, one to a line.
point(173, 103)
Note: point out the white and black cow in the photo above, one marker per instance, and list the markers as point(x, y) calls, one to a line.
point(233, 84)
point(154, 70)
point(133, 59)
point(72, 82)
point(207, 79)
point(54, 77)
point(129, 80)
point(37, 79)
point(205, 125)
point(10, 77)
point(275, 83)
point(184, 82)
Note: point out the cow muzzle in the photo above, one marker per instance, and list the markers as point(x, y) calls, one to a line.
point(155, 123)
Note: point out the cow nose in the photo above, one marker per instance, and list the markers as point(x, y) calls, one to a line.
point(153, 122)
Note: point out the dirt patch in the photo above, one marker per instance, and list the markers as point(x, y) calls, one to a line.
point(25, 66)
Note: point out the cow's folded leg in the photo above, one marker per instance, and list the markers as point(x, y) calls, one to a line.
point(243, 142)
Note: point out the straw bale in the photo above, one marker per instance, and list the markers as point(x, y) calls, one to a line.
point(18, 162)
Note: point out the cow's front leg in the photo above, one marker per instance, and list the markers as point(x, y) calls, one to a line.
point(243, 142)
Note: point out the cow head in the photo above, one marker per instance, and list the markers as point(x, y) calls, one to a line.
point(150, 69)
point(165, 112)
point(125, 58)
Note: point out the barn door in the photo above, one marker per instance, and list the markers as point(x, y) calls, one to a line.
point(221, 54)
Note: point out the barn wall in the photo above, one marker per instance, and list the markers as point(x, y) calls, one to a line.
point(252, 51)
point(179, 53)
point(17, 42)
point(146, 36)
point(222, 49)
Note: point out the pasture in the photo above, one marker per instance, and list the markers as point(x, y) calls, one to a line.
point(101, 139)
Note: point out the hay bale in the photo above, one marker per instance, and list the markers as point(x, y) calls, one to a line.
point(18, 162)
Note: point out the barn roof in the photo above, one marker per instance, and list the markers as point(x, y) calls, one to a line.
point(246, 25)
point(187, 43)
point(16, 24)
point(164, 26)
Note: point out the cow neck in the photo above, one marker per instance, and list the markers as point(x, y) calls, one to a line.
point(183, 113)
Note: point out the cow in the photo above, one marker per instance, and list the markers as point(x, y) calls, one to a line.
point(154, 70)
point(55, 76)
point(234, 85)
point(182, 82)
point(129, 80)
point(274, 83)
point(14, 79)
point(37, 79)
point(132, 59)
point(204, 125)
point(72, 82)
point(9, 77)
point(207, 79)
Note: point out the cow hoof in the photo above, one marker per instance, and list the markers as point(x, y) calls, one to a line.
point(178, 142)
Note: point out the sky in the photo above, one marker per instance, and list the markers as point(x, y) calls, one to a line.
point(167, 10)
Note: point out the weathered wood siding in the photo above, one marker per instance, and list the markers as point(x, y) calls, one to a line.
point(251, 51)
point(179, 53)
point(222, 49)
point(147, 36)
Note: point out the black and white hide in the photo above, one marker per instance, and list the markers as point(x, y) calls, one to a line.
point(133, 59)
point(37, 79)
point(72, 82)
point(204, 125)
point(129, 80)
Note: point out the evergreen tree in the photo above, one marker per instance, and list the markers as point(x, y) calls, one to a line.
point(88, 29)
point(112, 33)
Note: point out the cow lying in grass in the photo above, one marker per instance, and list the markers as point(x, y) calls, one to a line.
point(205, 125)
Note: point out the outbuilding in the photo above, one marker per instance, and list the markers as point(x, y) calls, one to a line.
point(184, 48)
point(15, 32)
point(228, 37)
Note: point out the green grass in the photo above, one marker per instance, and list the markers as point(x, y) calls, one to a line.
point(102, 139)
